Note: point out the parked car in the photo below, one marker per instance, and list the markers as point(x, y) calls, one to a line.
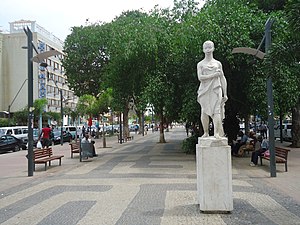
point(35, 136)
point(111, 127)
point(55, 139)
point(10, 143)
point(286, 131)
point(20, 132)
point(72, 130)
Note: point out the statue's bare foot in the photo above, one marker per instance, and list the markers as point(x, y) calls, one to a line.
point(205, 135)
point(217, 136)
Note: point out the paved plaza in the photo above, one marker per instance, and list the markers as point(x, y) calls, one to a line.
point(141, 182)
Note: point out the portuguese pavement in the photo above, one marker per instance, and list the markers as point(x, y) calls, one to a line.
point(141, 182)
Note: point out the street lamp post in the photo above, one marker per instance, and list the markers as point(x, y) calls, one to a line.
point(62, 117)
point(30, 59)
point(30, 100)
point(259, 54)
point(270, 103)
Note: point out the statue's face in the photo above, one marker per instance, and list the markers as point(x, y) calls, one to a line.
point(208, 47)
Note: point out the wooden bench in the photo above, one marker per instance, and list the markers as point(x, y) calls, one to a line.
point(281, 155)
point(245, 148)
point(74, 148)
point(248, 147)
point(128, 138)
point(42, 156)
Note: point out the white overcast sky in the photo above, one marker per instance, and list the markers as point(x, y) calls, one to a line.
point(58, 16)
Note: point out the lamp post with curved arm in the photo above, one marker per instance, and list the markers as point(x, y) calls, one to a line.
point(259, 54)
point(30, 59)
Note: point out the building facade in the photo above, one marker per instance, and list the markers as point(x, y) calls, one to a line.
point(48, 82)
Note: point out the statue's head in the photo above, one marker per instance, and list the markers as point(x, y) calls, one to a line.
point(208, 46)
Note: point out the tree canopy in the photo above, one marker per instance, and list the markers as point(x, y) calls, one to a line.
point(151, 58)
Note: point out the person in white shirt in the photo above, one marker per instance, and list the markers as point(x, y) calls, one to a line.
point(86, 139)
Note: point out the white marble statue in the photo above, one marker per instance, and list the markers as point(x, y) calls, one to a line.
point(212, 92)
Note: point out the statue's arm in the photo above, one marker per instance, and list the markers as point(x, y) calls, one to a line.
point(223, 84)
point(199, 71)
point(202, 77)
point(210, 76)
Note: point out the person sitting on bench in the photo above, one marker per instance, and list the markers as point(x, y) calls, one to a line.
point(86, 139)
point(260, 147)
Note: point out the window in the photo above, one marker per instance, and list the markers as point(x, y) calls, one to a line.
point(10, 138)
point(25, 131)
point(17, 131)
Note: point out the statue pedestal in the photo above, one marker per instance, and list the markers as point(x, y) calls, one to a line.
point(214, 176)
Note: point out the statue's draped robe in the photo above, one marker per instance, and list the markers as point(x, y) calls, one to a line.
point(210, 91)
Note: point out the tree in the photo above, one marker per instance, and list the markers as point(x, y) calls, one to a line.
point(219, 21)
point(284, 58)
point(131, 56)
point(39, 106)
point(21, 117)
point(86, 57)
point(270, 5)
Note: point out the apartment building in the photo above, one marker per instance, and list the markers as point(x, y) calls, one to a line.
point(48, 82)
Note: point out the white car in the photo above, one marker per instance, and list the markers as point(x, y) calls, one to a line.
point(72, 130)
point(286, 131)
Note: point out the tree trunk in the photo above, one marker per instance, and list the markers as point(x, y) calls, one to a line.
point(125, 122)
point(296, 126)
point(247, 129)
point(98, 128)
point(140, 118)
point(104, 138)
point(161, 128)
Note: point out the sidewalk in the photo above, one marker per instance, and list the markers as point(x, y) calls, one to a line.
point(141, 182)
point(14, 165)
point(286, 182)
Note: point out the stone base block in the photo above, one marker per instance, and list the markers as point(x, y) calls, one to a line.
point(214, 175)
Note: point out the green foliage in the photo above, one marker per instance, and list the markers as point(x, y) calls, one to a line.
point(131, 53)
point(282, 63)
point(85, 105)
point(92, 106)
point(270, 5)
point(4, 122)
point(52, 115)
point(86, 51)
point(39, 105)
point(21, 117)
point(152, 57)
point(190, 111)
point(189, 144)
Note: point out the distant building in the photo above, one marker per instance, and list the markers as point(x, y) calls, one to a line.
point(13, 69)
